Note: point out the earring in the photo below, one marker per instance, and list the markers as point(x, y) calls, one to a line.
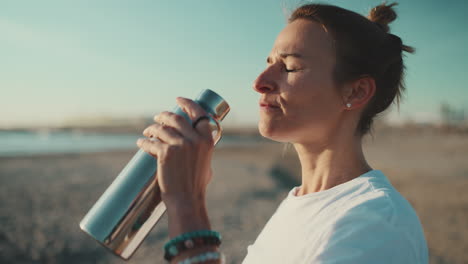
point(348, 105)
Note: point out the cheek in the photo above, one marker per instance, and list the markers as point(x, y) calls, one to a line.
point(313, 101)
point(311, 91)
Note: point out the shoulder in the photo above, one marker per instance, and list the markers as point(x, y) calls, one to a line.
point(373, 194)
point(375, 200)
point(381, 199)
point(376, 218)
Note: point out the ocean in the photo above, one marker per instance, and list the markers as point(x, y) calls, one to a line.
point(21, 143)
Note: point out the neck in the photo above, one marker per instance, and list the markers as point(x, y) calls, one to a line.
point(330, 163)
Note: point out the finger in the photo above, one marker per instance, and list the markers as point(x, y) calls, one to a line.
point(150, 146)
point(178, 122)
point(163, 133)
point(205, 128)
point(192, 109)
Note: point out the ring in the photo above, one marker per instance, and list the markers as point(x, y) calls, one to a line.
point(194, 124)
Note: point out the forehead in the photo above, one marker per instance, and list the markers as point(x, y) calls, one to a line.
point(305, 37)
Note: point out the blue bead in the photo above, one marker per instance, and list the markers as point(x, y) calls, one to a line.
point(173, 251)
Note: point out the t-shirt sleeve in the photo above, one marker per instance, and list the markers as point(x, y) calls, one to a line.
point(364, 236)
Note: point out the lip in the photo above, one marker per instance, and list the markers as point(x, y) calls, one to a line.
point(268, 107)
point(266, 103)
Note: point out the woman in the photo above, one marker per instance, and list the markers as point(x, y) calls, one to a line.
point(330, 72)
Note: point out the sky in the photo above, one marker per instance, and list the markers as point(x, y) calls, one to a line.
point(66, 59)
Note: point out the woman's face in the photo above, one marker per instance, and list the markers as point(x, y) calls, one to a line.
point(298, 79)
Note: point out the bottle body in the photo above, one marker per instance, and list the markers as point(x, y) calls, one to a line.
point(131, 206)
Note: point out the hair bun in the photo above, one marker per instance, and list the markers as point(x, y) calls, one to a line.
point(382, 15)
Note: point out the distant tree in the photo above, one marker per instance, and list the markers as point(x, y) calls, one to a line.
point(451, 116)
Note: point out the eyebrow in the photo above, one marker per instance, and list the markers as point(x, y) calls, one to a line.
point(285, 55)
point(295, 55)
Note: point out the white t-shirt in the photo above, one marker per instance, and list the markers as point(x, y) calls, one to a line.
point(364, 220)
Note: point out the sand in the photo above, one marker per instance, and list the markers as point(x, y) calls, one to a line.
point(43, 198)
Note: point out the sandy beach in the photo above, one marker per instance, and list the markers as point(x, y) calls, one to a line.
point(44, 197)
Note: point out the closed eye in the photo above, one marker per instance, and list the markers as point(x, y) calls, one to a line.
point(293, 69)
point(269, 61)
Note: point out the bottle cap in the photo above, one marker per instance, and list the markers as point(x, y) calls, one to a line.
point(214, 104)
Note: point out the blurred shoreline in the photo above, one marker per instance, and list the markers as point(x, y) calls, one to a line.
point(138, 124)
point(28, 142)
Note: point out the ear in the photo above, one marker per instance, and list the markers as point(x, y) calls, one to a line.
point(358, 93)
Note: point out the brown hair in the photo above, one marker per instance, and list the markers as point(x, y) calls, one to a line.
point(363, 46)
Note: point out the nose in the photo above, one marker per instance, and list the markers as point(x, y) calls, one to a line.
point(265, 81)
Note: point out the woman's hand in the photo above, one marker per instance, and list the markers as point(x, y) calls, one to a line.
point(184, 165)
point(183, 154)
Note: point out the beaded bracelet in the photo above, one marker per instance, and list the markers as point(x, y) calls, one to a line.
point(190, 240)
point(204, 257)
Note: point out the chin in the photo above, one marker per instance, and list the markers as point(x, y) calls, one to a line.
point(271, 132)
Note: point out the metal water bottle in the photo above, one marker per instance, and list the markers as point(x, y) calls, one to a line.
point(131, 206)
